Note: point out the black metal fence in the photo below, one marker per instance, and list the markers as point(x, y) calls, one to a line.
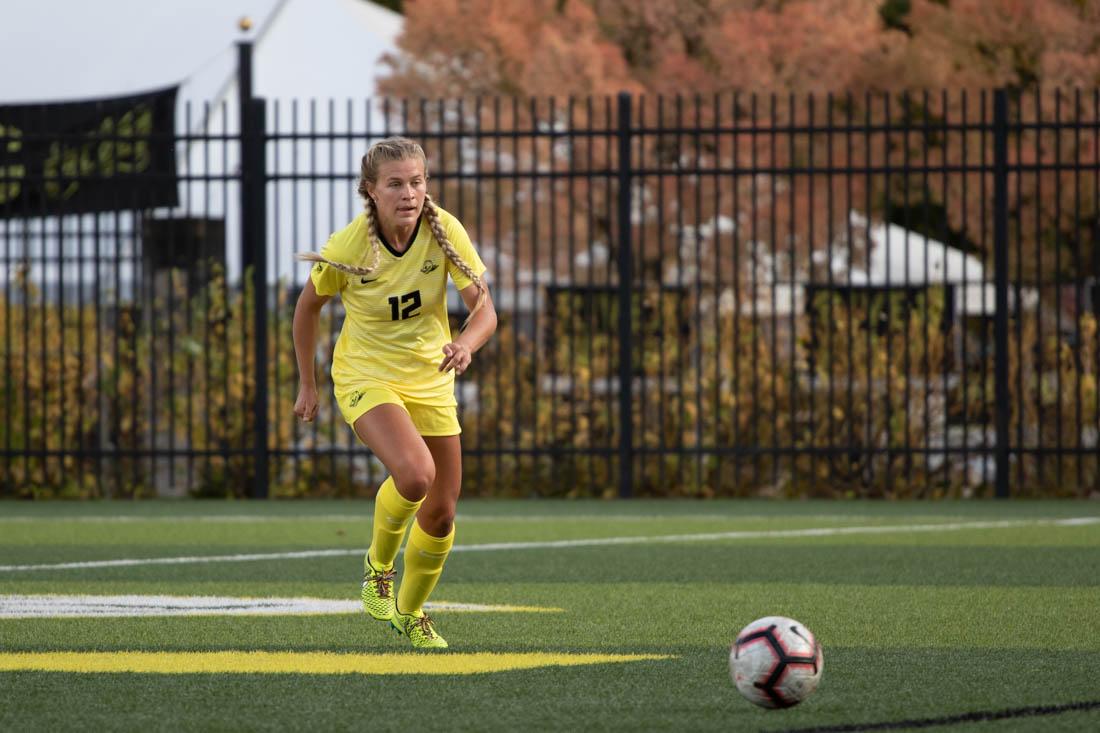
point(891, 295)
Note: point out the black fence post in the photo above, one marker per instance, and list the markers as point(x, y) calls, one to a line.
point(253, 126)
point(244, 99)
point(626, 290)
point(1000, 279)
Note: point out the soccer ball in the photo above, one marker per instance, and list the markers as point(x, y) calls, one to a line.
point(776, 662)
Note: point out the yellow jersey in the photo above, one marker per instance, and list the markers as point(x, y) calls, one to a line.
point(396, 324)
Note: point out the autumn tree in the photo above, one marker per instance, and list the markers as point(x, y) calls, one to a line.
point(859, 51)
point(767, 136)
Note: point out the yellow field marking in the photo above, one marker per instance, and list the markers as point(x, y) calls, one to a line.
point(240, 662)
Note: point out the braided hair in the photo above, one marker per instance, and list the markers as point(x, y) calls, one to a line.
point(384, 151)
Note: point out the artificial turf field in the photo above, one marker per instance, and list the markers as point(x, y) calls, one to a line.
point(960, 616)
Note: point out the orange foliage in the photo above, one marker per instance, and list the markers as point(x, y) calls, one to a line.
point(539, 48)
point(454, 48)
point(783, 51)
point(1009, 43)
point(809, 45)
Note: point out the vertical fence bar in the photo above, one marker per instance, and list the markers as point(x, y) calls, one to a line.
point(677, 361)
point(773, 253)
point(518, 443)
point(663, 398)
point(570, 330)
point(253, 186)
point(626, 287)
point(254, 254)
point(256, 176)
point(1057, 283)
point(1000, 280)
point(1078, 295)
point(244, 95)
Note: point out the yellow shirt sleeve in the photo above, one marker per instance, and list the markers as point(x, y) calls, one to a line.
point(465, 249)
point(327, 280)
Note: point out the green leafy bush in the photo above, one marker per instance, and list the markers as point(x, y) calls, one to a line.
point(866, 394)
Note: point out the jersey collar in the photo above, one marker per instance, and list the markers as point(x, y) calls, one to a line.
point(408, 246)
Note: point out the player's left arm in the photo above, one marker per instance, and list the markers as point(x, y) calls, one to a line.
point(458, 354)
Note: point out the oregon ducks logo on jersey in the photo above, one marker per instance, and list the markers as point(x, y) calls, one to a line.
point(355, 399)
point(428, 266)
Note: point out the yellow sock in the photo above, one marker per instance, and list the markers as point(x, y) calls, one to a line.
point(424, 558)
point(392, 514)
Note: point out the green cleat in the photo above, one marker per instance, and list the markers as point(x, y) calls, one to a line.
point(377, 593)
point(420, 630)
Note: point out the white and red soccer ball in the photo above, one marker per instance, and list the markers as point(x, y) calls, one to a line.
point(776, 662)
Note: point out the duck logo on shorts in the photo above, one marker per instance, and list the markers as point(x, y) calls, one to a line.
point(355, 399)
point(428, 267)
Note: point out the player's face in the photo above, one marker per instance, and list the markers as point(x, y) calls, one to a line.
point(400, 190)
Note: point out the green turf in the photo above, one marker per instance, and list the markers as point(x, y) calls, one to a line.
point(915, 625)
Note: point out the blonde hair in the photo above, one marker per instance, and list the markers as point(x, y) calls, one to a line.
point(385, 151)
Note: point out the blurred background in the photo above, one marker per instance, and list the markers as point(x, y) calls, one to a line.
point(821, 248)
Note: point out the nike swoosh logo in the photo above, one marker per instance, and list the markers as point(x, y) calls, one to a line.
point(364, 280)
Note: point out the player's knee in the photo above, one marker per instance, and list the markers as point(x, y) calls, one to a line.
point(414, 480)
point(437, 521)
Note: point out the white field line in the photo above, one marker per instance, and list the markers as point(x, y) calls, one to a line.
point(83, 606)
point(463, 518)
point(133, 519)
point(594, 542)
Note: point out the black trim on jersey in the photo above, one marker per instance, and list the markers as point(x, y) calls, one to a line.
point(408, 246)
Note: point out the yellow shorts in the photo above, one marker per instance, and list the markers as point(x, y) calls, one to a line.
point(429, 420)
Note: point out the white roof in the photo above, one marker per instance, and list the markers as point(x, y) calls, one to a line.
point(66, 50)
point(897, 258)
point(900, 257)
point(69, 50)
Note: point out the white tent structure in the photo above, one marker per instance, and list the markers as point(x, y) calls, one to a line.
point(901, 258)
point(895, 257)
point(326, 54)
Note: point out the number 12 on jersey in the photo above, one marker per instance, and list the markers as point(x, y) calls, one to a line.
point(411, 301)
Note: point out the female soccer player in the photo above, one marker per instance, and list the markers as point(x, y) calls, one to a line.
point(394, 366)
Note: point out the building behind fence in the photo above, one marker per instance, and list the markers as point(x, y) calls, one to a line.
point(740, 295)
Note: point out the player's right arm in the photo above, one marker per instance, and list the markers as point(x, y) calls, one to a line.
point(307, 319)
